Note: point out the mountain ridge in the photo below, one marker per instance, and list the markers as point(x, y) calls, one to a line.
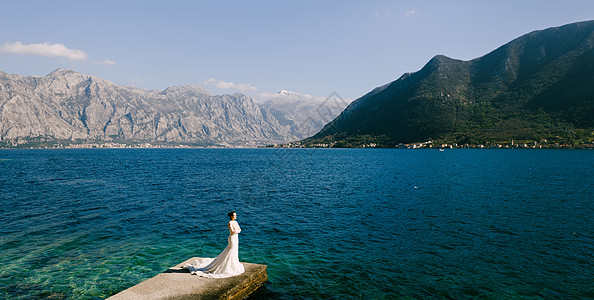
point(535, 87)
point(67, 107)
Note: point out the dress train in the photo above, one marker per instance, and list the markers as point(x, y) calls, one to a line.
point(224, 265)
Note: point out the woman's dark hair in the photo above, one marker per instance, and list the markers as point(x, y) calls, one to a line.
point(230, 214)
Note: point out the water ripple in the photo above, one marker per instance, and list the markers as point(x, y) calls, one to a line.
point(329, 224)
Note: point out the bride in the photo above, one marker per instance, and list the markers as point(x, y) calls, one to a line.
point(227, 263)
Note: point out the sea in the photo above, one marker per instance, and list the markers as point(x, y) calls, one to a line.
point(328, 223)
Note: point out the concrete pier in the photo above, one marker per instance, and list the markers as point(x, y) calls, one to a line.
point(178, 283)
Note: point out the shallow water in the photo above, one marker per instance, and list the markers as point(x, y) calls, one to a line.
point(329, 223)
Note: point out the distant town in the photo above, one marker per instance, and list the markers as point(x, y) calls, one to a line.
point(543, 144)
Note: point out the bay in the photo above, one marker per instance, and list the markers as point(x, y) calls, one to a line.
point(329, 223)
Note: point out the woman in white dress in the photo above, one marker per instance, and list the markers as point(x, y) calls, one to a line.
point(227, 263)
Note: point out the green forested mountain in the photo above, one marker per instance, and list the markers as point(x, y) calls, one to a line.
point(538, 86)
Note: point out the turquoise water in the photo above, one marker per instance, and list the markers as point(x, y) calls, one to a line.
point(329, 223)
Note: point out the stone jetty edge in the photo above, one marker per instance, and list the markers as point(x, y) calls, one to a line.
point(177, 283)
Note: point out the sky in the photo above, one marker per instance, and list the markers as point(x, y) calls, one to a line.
point(318, 48)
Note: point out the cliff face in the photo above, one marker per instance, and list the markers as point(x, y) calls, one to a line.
point(66, 105)
point(538, 85)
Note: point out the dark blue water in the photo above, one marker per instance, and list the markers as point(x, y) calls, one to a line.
point(332, 223)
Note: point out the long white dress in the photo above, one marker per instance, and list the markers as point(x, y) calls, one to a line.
point(226, 264)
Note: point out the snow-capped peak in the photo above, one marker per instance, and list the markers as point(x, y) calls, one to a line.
point(288, 93)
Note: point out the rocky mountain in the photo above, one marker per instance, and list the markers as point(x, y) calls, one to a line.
point(304, 115)
point(69, 107)
point(538, 86)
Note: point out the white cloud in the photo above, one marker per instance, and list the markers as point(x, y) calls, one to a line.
point(106, 62)
point(411, 12)
point(43, 49)
point(269, 96)
point(382, 13)
point(246, 87)
point(230, 85)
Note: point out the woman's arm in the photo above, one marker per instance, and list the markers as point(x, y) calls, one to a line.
point(234, 227)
